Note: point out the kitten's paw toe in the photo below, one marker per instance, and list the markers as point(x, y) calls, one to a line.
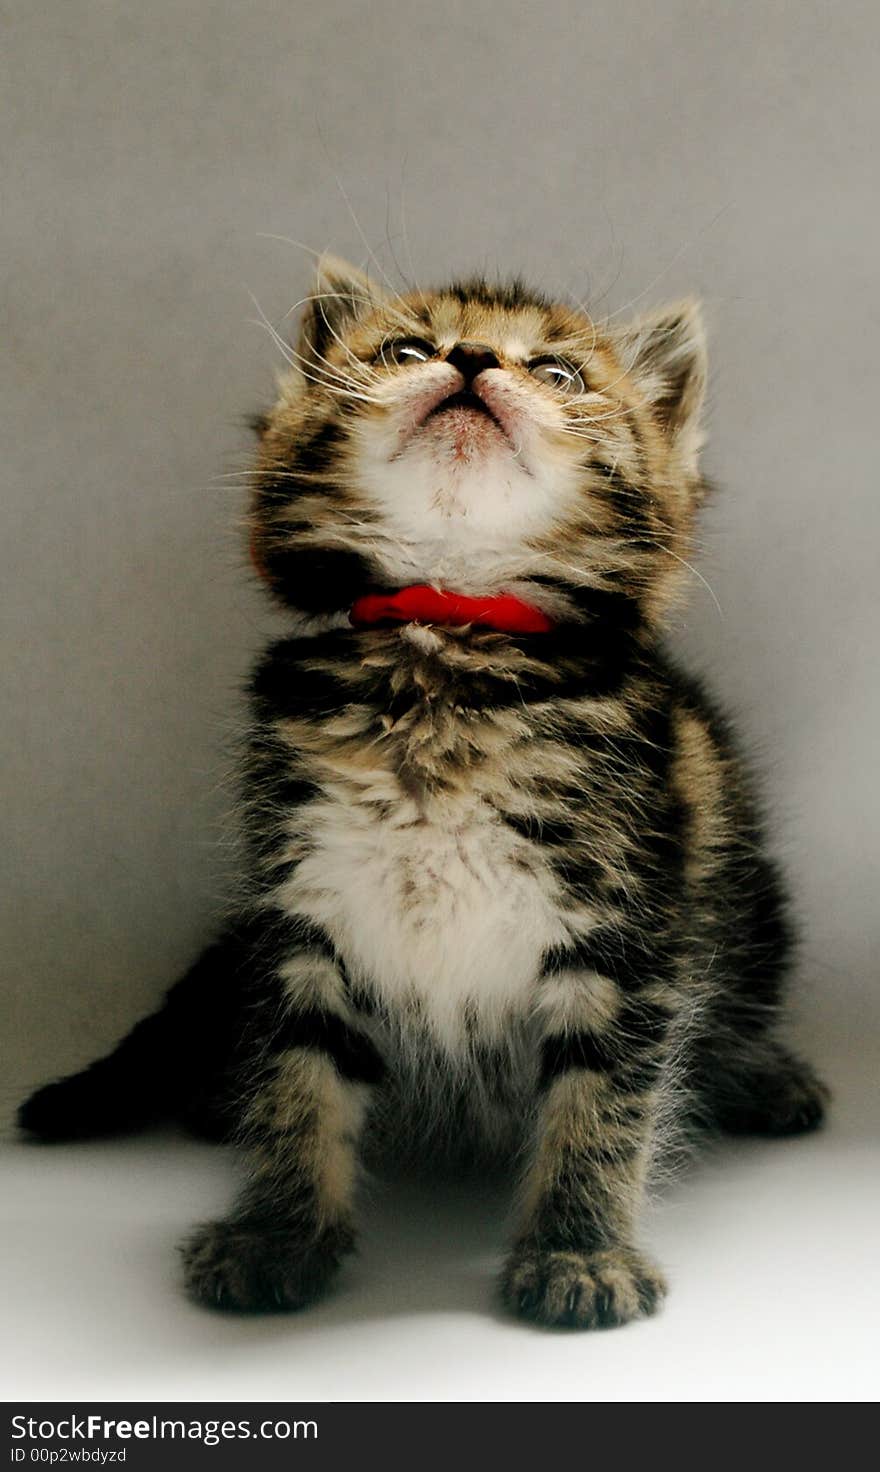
point(790, 1100)
point(803, 1108)
point(581, 1290)
point(258, 1268)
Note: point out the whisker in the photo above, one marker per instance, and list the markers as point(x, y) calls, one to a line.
point(355, 221)
point(682, 250)
point(368, 371)
point(388, 237)
point(696, 572)
point(263, 321)
point(289, 240)
point(403, 221)
point(326, 377)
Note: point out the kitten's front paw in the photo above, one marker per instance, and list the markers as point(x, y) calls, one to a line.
point(259, 1268)
point(580, 1290)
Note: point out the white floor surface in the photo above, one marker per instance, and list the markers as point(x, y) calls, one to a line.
point(771, 1250)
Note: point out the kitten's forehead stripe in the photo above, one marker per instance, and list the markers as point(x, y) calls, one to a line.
point(512, 294)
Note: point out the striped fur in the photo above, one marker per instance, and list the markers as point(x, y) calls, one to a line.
point(508, 896)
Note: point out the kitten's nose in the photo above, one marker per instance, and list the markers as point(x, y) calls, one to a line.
point(470, 358)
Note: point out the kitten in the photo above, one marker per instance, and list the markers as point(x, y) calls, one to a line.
point(507, 892)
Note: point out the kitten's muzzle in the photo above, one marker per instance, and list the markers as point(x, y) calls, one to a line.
point(465, 399)
point(475, 390)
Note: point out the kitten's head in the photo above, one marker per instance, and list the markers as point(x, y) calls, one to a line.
point(481, 439)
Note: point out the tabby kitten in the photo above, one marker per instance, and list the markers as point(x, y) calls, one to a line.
point(507, 894)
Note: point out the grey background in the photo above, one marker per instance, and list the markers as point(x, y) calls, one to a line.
point(624, 152)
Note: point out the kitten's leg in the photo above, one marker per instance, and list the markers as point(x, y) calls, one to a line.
point(744, 1080)
point(292, 1223)
point(575, 1262)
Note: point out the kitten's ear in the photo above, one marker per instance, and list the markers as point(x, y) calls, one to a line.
point(665, 353)
point(341, 293)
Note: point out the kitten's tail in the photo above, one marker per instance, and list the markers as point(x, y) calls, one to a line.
point(122, 1091)
point(175, 1064)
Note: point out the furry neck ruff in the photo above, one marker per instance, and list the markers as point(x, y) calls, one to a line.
point(425, 605)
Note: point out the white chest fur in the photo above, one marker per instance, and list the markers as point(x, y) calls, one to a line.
point(445, 918)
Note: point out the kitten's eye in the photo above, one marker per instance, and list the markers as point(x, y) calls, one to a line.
point(558, 373)
point(405, 351)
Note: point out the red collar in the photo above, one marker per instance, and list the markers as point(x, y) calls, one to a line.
point(424, 605)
